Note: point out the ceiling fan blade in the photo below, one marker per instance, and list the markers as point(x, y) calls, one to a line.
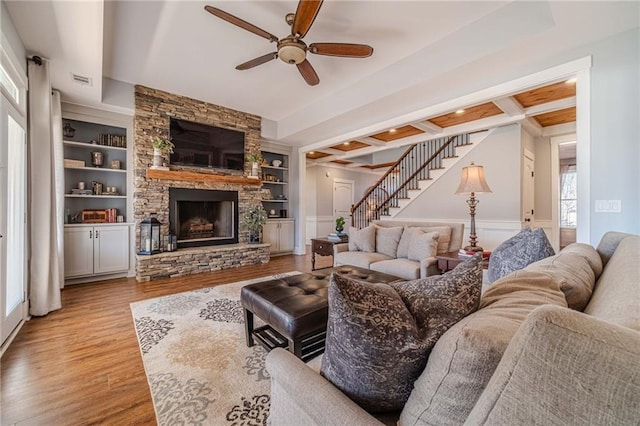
point(240, 23)
point(257, 61)
point(347, 50)
point(308, 73)
point(304, 17)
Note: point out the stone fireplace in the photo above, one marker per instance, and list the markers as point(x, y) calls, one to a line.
point(213, 237)
point(200, 217)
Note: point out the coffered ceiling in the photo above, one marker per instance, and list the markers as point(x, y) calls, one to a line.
point(540, 107)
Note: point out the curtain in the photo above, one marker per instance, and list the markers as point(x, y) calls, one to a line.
point(46, 273)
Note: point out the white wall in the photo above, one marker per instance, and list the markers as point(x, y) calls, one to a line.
point(615, 133)
point(319, 196)
point(542, 200)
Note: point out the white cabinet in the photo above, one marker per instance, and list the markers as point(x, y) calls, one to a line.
point(279, 233)
point(97, 249)
point(275, 180)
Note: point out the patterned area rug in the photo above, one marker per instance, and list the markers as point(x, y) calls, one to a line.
point(199, 368)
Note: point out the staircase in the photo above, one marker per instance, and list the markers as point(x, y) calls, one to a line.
point(411, 175)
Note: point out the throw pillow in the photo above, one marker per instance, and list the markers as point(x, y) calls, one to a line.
point(465, 357)
point(423, 246)
point(363, 239)
point(444, 238)
point(387, 239)
point(518, 252)
point(405, 240)
point(379, 335)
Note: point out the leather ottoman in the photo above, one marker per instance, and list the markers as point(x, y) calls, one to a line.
point(295, 309)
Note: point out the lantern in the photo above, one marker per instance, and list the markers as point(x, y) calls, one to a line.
point(150, 235)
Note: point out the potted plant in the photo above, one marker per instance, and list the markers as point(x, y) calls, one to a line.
point(253, 219)
point(255, 159)
point(340, 225)
point(161, 146)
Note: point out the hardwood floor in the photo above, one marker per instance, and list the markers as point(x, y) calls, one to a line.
point(81, 364)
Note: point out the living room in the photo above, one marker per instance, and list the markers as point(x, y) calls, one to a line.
point(460, 67)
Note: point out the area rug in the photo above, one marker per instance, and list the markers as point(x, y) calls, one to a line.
point(199, 368)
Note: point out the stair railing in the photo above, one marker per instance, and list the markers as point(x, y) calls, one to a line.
point(414, 165)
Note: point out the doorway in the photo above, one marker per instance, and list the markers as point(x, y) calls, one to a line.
point(343, 200)
point(564, 190)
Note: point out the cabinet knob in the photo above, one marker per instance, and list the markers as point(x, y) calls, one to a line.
point(97, 234)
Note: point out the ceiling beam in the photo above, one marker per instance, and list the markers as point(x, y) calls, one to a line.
point(372, 141)
point(551, 106)
point(532, 126)
point(428, 127)
point(509, 105)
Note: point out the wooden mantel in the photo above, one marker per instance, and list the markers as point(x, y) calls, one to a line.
point(200, 177)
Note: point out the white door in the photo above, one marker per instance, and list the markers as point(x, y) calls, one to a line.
point(110, 249)
point(78, 251)
point(528, 193)
point(343, 200)
point(13, 189)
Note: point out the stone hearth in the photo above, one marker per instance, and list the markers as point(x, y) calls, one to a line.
point(153, 111)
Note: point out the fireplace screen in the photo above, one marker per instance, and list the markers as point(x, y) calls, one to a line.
point(203, 217)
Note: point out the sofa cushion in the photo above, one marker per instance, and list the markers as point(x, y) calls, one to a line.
point(423, 246)
point(517, 252)
point(359, 258)
point(444, 237)
point(403, 268)
point(379, 336)
point(465, 357)
point(387, 239)
point(576, 267)
point(363, 239)
point(616, 297)
point(407, 234)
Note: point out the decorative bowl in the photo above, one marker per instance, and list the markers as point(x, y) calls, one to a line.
point(276, 163)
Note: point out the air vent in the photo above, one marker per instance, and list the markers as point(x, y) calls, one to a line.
point(80, 79)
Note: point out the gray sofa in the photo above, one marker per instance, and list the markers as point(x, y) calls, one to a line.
point(559, 366)
point(450, 239)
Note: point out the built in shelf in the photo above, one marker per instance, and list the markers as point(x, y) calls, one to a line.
point(200, 177)
point(93, 146)
point(275, 201)
point(93, 196)
point(273, 167)
point(97, 169)
point(274, 183)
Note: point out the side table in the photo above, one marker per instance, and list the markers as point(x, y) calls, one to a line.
point(448, 261)
point(323, 247)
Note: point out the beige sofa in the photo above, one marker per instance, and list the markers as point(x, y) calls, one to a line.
point(560, 367)
point(450, 239)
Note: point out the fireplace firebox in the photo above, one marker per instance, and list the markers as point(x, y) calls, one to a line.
point(200, 217)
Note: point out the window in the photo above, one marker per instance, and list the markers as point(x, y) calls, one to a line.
point(568, 196)
point(8, 85)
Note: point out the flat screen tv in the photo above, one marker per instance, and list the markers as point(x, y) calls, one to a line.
point(203, 145)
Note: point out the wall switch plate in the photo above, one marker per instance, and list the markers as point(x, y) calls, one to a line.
point(608, 206)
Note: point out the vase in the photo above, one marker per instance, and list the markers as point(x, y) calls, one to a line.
point(254, 238)
point(157, 158)
point(339, 229)
point(254, 170)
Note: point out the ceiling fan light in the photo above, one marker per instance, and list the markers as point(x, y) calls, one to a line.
point(291, 54)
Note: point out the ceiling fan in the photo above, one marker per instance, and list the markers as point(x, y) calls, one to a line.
point(291, 49)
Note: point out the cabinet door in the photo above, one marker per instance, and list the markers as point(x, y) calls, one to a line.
point(111, 249)
point(286, 235)
point(78, 251)
point(270, 235)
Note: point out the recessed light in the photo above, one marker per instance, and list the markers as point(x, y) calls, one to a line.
point(392, 130)
point(572, 80)
point(311, 153)
point(460, 111)
point(345, 143)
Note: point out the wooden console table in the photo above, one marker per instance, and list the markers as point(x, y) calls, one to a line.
point(448, 261)
point(323, 247)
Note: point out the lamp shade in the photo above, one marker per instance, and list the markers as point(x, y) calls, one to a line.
point(472, 180)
